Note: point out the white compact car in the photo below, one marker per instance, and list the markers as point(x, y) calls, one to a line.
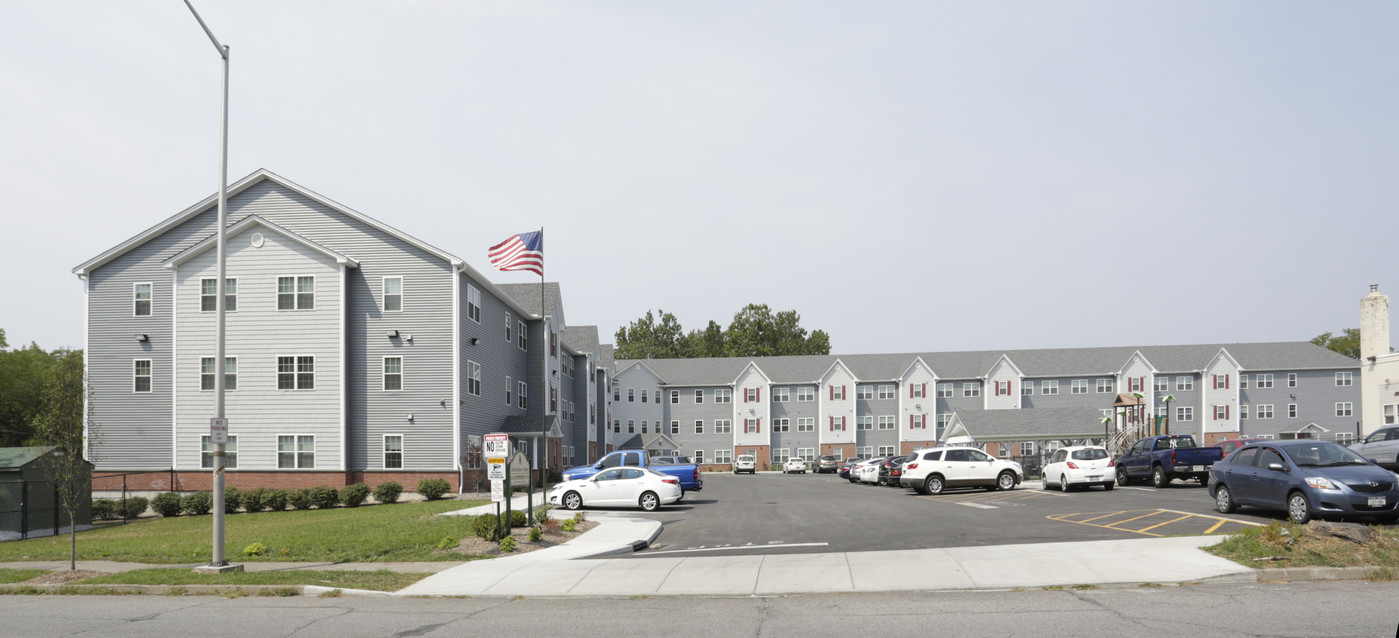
point(932, 470)
point(745, 463)
point(795, 466)
point(859, 468)
point(869, 471)
point(618, 487)
point(1079, 466)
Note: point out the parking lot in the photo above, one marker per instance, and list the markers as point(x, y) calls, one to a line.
point(807, 513)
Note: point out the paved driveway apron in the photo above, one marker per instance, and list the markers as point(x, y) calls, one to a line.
point(815, 513)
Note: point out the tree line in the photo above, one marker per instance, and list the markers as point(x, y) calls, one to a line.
point(25, 375)
point(756, 331)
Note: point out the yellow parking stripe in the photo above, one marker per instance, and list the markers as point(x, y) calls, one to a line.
point(1178, 518)
point(1216, 526)
point(1134, 518)
point(1085, 521)
point(1145, 531)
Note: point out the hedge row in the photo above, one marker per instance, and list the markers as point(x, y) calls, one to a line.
point(263, 499)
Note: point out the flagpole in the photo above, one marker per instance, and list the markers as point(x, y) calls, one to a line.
point(544, 374)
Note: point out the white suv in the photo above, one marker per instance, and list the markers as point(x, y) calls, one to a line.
point(745, 463)
point(932, 470)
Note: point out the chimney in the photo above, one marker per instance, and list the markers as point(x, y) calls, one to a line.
point(1374, 324)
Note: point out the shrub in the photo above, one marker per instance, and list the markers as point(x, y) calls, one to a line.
point(167, 504)
point(232, 500)
point(387, 492)
point(541, 514)
point(535, 534)
point(578, 517)
point(518, 519)
point(448, 542)
point(324, 497)
point(485, 527)
point(104, 509)
point(276, 500)
point(433, 488)
point(254, 500)
point(299, 499)
point(507, 545)
point(197, 503)
point(256, 549)
point(569, 525)
point(136, 506)
point(354, 495)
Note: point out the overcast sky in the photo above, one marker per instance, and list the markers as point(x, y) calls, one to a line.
point(908, 176)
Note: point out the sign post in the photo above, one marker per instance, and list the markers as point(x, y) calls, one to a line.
point(497, 449)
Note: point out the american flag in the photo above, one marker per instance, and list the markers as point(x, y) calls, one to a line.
point(524, 251)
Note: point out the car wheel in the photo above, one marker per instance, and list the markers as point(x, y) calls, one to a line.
point(1299, 509)
point(1159, 478)
point(1224, 500)
point(1006, 481)
point(884, 481)
point(1108, 486)
point(1122, 478)
point(1063, 482)
point(1044, 481)
point(572, 501)
point(933, 485)
point(649, 501)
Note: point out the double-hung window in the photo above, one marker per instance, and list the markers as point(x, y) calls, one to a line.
point(886, 391)
point(522, 395)
point(296, 373)
point(699, 426)
point(523, 340)
point(1265, 410)
point(782, 424)
point(1027, 387)
point(206, 452)
point(806, 424)
point(296, 451)
point(296, 293)
point(723, 395)
point(393, 294)
point(1265, 380)
point(1344, 408)
point(1162, 384)
point(1050, 386)
point(473, 378)
point(1185, 413)
point(393, 373)
point(723, 426)
point(1104, 386)
point(944, 390)
point(141, 300)
point(675, 427)
point(886, 421)
point(781, 395)
point(1343, 379)
point(1079, 386)
point(806, 393)
point(864, 422)
point(207, 370)
point(209, 295)
point(473, 303)
point(141, 375)
point(699, 396)
point(674, 397)
point(1185, 384)
point(864, 392)
point(972, 389)
point(393, 451)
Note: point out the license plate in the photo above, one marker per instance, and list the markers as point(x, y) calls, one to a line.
point(1377, 501)
point(1197, 468)
point(1095, 477)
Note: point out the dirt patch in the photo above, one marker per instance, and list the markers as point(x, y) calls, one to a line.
point(64, 577)
point(553, 535)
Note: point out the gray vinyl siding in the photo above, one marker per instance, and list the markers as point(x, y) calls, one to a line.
point(957, 401)
point(875, 408)
point(257, 334)
point(499, 358)
point(1317, 396)
point(687, 412)
point(132, 431)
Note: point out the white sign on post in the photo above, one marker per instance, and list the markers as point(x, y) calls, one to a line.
point(218, 431)
point(497, 449)
point(497, 491)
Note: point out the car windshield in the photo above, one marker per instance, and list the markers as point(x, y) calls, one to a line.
point(1323, 454)
point(1090, 454)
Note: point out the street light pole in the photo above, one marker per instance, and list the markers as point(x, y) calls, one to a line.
point(218, 562)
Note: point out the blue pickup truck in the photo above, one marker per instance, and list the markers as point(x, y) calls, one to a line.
point(1163, 458)
point(688, 473)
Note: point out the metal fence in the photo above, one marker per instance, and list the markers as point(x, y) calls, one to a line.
point(30, 506)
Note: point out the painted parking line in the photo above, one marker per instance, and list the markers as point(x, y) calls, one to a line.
point(1156, 522)
point(978, 505)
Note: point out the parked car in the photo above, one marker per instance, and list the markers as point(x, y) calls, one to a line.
point(1079, 466)
point(1167, 457)
point(687, 472)
point(795, 466)
point(827, 463)
point(1228, 446)
point(1304, 478)
point(618, 487)
point(933, 470)
point(745, 463)
point(847, 465)
point(1382, 447)
point(891, 470)
point(671, 460)
point(868, 471)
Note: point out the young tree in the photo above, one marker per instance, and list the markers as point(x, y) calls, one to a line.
point(60, 424)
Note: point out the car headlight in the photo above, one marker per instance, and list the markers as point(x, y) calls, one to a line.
point(1320, 483)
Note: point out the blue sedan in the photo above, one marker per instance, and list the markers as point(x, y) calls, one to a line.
point(1306, 479)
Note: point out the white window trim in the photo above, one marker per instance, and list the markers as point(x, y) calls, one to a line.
point(473, 300)
point(806, 424)
point(884, 419)
point(150, 301)
point(1078, 386)
point(225, 373)
point(806, 393)
point(893, 391)
point(225, 294)
point(522, 395)
point(521, 336)
point(864, 393)
point(296, 380)
point(295, 453)
point(150, 368)
point(384, 374)
point(384, 293)
point(230, 450)
point(296, 293)
point(402, 454)
point(1349, 379)
point(472, 366)
point(699, 396)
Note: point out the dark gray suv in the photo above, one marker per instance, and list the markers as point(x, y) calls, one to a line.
point(827, 463)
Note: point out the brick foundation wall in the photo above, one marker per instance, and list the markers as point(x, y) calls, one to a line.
point(843, 450)
point(202, 480)
point(761, 453)
point(1213, 438)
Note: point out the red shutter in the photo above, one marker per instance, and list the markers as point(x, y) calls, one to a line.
point(842, 423)
point(910, 390)
point(1226, 412)
point(1226, 382)
point(833, 392)
point(910, 421)
point(842, 392)
point(833, 424)
point(925, 390)
point(759, 424)
point(759, 392)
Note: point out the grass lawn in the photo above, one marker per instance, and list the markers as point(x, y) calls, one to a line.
point(1288, 545)
point(381, 580)
point(19, 575)
point(374, 533)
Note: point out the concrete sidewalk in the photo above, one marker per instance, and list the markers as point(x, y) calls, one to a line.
point(1133, 562)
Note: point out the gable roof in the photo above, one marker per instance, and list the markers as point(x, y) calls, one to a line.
point(580, 339)
point(527, 296)
point(246, 223)
point(1034, 423)
point(14, 458)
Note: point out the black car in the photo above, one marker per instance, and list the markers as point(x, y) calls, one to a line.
point(891, 469)
point(844, 470)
